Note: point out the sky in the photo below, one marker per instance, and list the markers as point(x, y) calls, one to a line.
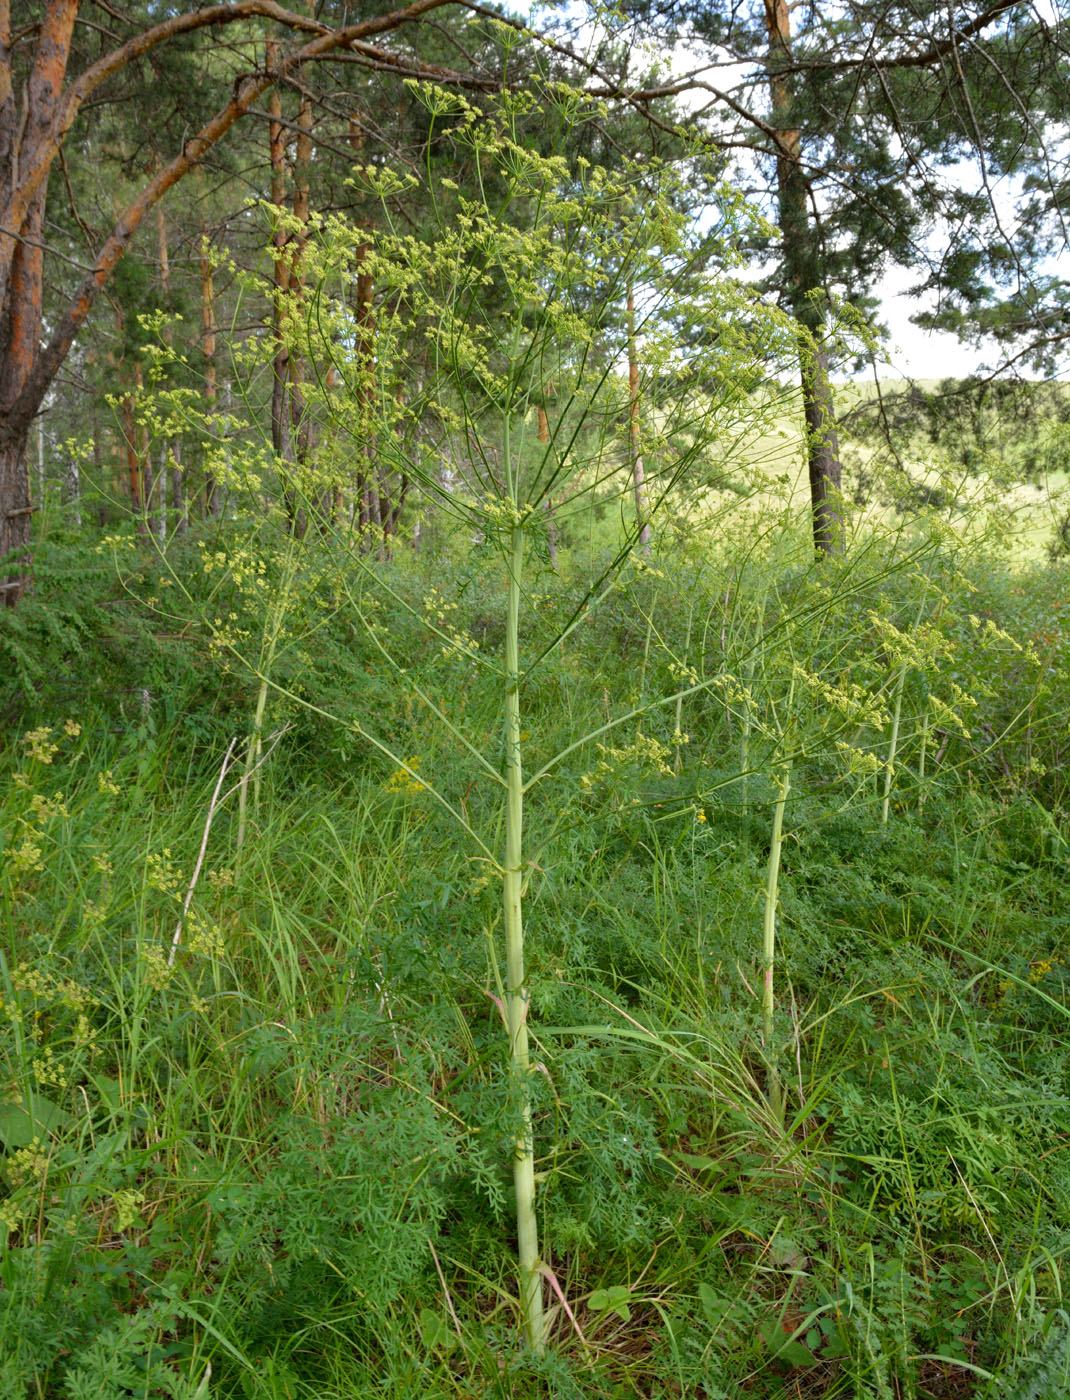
point(920, 354)
point(915, 353)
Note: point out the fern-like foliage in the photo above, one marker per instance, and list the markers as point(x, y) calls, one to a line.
point(1043, 1373)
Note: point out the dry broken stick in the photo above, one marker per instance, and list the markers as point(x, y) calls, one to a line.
point(177, 939)
point(213, 807)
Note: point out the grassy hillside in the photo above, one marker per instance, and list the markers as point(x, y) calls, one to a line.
point(257, 1122)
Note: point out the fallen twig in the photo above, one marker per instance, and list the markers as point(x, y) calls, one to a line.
point(177, 939)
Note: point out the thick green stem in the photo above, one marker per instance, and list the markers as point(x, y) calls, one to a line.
point(893, 743)
point(921, 757)
point(516, 1000)
point(252, 757)
point(252, 753)
point(744, 738)
point(772, 879)
point(678, 728)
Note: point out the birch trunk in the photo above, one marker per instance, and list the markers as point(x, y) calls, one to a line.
point(72, 489)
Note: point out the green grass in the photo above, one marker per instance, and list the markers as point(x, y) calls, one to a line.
point(282, 1168)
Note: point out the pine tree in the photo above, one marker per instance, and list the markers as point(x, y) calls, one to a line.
point(898, 133)
point(50, 68)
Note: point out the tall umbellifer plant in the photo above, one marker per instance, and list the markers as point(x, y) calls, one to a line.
point(523, 285)
point(440, 381)
point(812, 708)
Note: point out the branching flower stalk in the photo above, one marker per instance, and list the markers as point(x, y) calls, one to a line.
point(745, 733)
point(634, 431)
point(269, 645)
point(678, 738)
point(922, 755)
point(551, 255)
point(772, 880)
point(255, 745)
point(893, 741)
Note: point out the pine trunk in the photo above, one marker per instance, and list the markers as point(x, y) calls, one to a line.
point(801, 261)
point(20, 332)
point(299, 422)
point(280, 375)
point(168, 336)
point(33, 125)
point(823, 451)
point(15, 519)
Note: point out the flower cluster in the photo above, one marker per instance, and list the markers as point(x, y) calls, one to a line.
point(440, 614)
point(644, 752)
point(405, 779)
